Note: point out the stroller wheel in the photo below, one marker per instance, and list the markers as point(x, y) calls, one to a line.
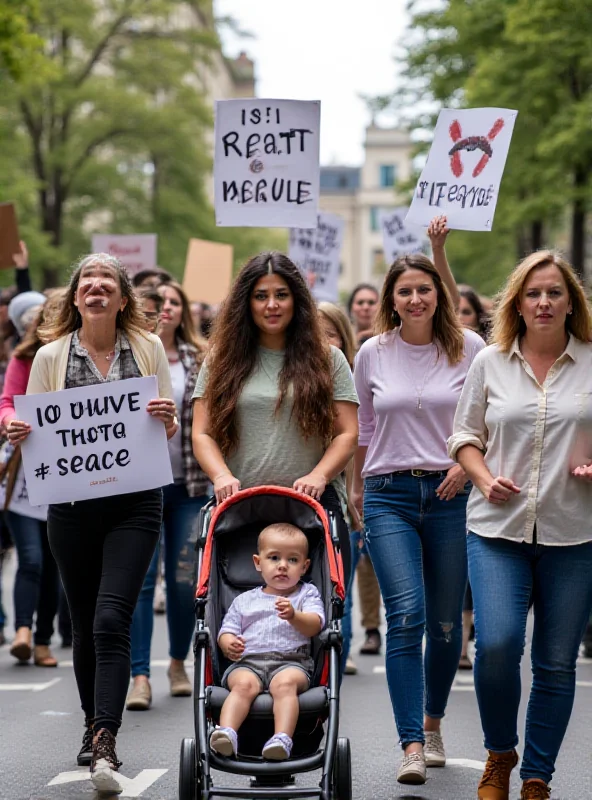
point(342, 773)
point(189, 772)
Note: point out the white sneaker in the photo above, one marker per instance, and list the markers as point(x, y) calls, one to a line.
point(105, 779)
point(350, 667)
point(433, 750)
point(412, 769)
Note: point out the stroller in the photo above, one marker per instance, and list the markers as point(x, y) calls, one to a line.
point(226, 540)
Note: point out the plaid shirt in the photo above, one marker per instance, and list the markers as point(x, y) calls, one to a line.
point(82, 370)
point(196, 480)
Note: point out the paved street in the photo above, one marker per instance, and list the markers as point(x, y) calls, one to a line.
point(40, 732)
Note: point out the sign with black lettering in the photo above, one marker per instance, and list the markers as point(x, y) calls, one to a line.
point(317, 251)
point(399, 237)
point(266, 163)
point(462, 175)
point(91, 442)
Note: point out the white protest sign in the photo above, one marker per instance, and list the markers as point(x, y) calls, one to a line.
point(92, 442)
point(136, 251)
point(462, 175)
point(266, 163)
point(317, 251)
point(400, 237)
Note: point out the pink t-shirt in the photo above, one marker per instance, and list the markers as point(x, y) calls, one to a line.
point(392, 379)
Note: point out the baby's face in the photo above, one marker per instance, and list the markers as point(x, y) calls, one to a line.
point(282, 561)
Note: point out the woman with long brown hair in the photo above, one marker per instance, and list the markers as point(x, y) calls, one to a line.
point(182, 501)
point(104, 546)
point(409, 378)
point(522, 434)
point(274, 403)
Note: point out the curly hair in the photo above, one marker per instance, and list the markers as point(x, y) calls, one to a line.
point(448, 332)
point(68, 319)
point(307, 369)
point(507, 322)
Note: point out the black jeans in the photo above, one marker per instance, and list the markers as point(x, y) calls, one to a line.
point(103, 549)
point(331, 502)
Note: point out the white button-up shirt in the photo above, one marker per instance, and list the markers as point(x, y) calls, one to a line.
point(535, 434)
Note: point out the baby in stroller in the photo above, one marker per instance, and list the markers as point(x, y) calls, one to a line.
point(267, 633)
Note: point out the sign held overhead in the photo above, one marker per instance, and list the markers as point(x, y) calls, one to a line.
point(266, 163)
point(464, 169)
point(135, 251)
point(399, 236)
point(317, 251)
point(9, 235)
point(208, 271)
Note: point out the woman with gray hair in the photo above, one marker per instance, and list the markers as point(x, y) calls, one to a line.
point(103, 547)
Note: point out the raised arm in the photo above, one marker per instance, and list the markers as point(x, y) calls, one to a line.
point(437, 232)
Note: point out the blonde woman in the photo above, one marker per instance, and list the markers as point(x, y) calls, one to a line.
point(409, 379)
point(522, 433)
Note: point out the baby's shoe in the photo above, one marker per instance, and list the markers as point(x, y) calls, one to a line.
point(278, 748)
point(224, 741)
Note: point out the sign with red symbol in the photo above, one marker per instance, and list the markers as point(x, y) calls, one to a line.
point(464, 168)
point(266, 163)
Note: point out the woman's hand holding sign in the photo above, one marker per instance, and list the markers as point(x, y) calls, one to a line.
point(18, 431)
point(165, 409)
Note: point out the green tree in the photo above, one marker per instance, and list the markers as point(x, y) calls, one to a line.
point(19, 45)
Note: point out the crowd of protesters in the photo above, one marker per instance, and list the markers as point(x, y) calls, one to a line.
point(396, 416)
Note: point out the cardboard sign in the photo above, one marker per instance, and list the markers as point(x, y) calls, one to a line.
point(9, 235)
point(208, 271)
point(317, 252)
point(462, 175)
point(91, 442)
point(266, 163)
point(136, 252)
point(400, 237)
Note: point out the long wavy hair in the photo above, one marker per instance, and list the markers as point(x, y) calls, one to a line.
point(26, 349)
point(507, 322)
point(68, 319)
point(186, 329)
point(448, 332)
point(342, 325)
point(307, 369)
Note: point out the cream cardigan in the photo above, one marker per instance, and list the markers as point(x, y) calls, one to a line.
point(48, 373)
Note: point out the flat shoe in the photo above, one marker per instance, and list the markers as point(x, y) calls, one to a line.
point(43, 656)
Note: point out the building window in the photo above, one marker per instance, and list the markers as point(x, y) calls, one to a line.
point(377, 262)
point(374, 224)
point(387, 175)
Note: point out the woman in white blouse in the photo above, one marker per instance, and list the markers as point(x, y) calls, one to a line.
point(523, 434)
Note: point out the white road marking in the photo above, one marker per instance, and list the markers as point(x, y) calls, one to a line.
point(132, 787)
point(28, 687)
point(465, 762)
point(584, 684)
point(55, 714)
point(462, 688)
point(158, 662)
point(379, 670)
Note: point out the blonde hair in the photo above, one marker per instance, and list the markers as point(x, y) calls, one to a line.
point(507, 322)
point(339, 319)
point(448, 332)
point(285, 529)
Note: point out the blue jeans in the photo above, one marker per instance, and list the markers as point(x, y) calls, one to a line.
point(36, 586)
point(505, 575)
point(179, 515)
point(417, 544)
point(346, 621)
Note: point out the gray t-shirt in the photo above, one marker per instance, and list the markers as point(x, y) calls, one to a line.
point(271, 449)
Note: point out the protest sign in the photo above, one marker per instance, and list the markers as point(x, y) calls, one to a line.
point(19, 500)
point(464, 169)
point(136, 251)
point(317, 253)
point(9, 235)
point(266, 163)
point(208, 271)
point(399, 236)
point(92, 442)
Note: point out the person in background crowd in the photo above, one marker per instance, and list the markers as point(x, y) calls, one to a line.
point(362, 307)
point(522, 434)
point(274, 402)
point(150, 303)
point(196, 309)
point(409, 379)
point(150, 278)
point(339, 332)
point(183, 500)
point(36, 587)
point(103, 547)
point(207, 317)
point(471, 313)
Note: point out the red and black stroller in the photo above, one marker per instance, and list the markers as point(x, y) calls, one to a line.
point(226, 540)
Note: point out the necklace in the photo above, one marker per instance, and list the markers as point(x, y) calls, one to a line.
point(418, 390)
point(108, 356)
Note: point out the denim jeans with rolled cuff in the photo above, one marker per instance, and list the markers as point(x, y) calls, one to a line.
point(417, 544)
point(506, 577)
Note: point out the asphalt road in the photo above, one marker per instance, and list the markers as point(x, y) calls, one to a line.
point(41, 728)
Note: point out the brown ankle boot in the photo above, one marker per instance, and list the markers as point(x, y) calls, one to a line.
point(21, 646)
point(535, 789)
point(495, 783)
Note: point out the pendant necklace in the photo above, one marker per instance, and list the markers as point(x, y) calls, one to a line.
point(418, 390)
